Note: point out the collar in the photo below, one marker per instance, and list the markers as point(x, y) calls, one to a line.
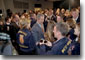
point(39, 24)
point(8, 23)
point(60, 40)
point(75, 18)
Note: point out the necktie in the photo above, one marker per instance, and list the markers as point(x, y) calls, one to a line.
point(42, 27)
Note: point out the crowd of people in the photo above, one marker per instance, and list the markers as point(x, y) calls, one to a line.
point(44, 32)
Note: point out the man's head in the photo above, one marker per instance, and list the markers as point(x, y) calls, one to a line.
point(40, 18)
point(60, 29)
point(50, 11)
point(16, 17)
point(33, 16)
point(59, 18)
point(8, 19)
point(75, 13)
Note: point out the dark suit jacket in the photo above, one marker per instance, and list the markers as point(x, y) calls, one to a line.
point(37, 32)
point(33, 21)
point(78, 20)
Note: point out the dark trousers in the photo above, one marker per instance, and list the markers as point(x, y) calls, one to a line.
point(27, 53)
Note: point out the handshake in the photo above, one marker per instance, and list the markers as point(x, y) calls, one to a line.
point(44, 42)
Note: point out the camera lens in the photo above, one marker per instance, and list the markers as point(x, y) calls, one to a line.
point(45, 41)
point(41, 40)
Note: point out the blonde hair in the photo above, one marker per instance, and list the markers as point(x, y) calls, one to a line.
point(49, 33)
point(24, 22)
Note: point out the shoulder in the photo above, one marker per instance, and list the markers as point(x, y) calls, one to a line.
point(35, 27)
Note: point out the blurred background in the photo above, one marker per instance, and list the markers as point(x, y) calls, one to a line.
point(20, 5)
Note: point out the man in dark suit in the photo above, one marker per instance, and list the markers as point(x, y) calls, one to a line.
point(33, 19)
point(38, 29)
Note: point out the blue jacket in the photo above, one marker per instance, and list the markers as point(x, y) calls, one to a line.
point(59, 48)
point(29, 42)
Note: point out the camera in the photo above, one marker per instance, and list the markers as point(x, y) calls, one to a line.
point(42, 40)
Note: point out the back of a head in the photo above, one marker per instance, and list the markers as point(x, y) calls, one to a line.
point(24, 23)
point(7, 18)
point(71, 23)
point(63, 28)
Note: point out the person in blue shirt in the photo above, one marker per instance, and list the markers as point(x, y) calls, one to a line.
point(60, 46)
point(25, 38)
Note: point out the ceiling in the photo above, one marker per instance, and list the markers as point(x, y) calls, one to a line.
point(54, 0)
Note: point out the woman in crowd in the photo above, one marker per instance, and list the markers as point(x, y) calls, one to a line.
point(25, 38)
point(58, 11)
point(72, 25)
point(59, 18)
point(49, 36)
point(67, 15)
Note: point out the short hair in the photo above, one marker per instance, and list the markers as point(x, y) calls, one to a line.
point(39, 16)
point(7, 18)
point(63, 28)
point(74, 9)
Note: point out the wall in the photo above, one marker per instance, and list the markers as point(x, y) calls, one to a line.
point(44, 4)
point(8, 4)
point(2, 7)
